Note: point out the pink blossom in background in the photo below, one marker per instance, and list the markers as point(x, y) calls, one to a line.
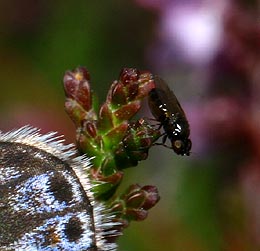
point(194, 31)
point(188, 31)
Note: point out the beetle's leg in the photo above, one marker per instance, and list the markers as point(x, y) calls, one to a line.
point(154, 120)
point(164, 138)
point(161, 144)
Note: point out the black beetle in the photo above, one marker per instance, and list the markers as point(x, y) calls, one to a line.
point(166, 109)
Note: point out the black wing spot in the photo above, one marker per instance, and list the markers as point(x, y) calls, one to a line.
point(61, 188)
point(73, 229)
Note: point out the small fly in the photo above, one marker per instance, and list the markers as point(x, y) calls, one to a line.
point(167, 110)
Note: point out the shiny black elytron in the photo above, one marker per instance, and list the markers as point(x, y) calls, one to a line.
point(167, 110)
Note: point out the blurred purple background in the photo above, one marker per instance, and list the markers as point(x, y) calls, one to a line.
point(207, 51)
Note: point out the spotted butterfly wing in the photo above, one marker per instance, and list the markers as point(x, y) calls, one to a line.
point(45, 197)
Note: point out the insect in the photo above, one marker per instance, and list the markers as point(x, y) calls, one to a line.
point(46, 201)
point(167, 110)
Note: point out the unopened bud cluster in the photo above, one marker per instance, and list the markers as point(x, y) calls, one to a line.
point(112, 137)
